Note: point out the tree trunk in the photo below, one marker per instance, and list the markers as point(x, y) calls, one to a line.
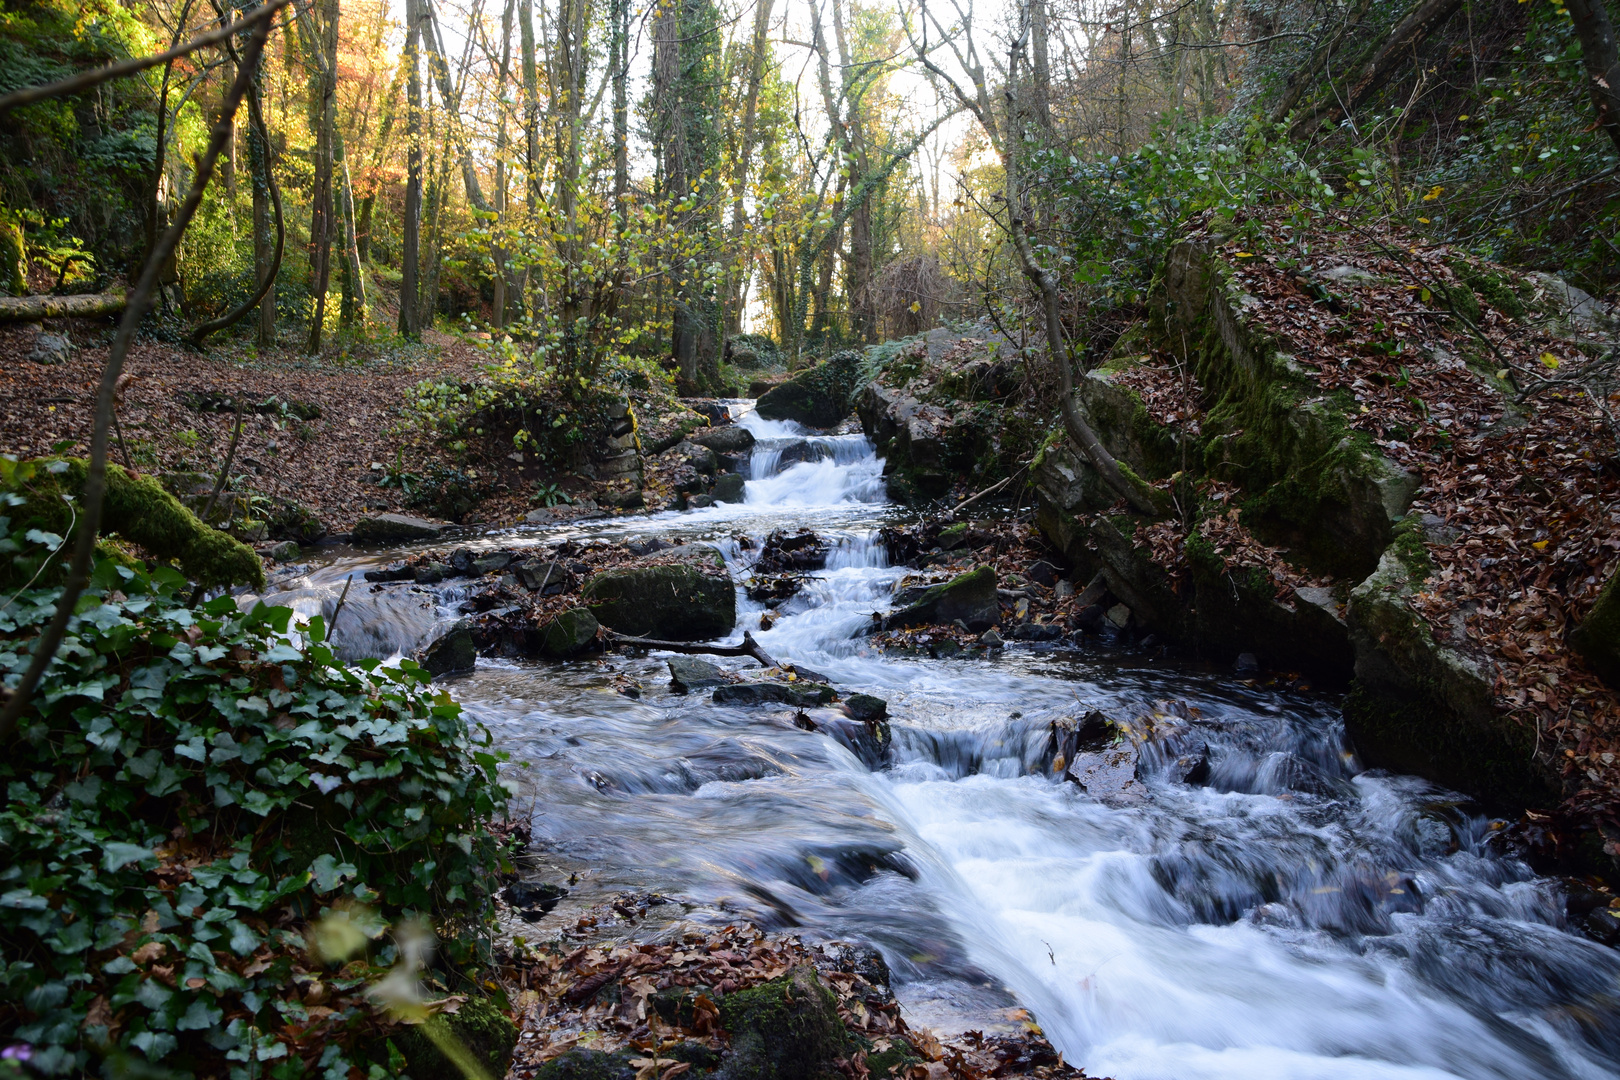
point(379, 153)
point(1051, 308)
point(497, 251)
point(1596, 34)
point(759, 48)
point(263, 241)
point(859, 268)
point(354, 277)
point(531, 128)
point(409, 325)
point(322, 45)
point(1040, 105)
point(1399, 47)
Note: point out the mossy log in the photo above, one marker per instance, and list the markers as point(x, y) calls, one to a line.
point(35, 308)
point(137, 509)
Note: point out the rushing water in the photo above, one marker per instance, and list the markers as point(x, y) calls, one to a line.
point(1294, 916)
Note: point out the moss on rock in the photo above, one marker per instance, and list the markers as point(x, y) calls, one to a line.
point(1597, 638)
point(138, 510)
point(482, 1030)
point(819, 397)
point(670, 601)
point(785, 1029)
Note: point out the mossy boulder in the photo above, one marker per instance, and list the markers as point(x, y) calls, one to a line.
point(484, 1032)
point(820, 397)
point(760, 693)
point(138, 510)
point(1316, 486)
point(785, 1029)
point(970, 597)
point(1597, 638)
point(685, 596)
point(451, 652)
point(569, 633)
point(1419, 706)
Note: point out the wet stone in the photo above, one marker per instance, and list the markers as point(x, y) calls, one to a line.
point(687, 673)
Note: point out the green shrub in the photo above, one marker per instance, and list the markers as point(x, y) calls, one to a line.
point(195, 789)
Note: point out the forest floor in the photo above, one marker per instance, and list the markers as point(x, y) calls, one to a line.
point(329, 464)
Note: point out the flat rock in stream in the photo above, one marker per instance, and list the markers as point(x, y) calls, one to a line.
point(762, 693)
point(396, 529)
point(686, 595)
point(688, 673)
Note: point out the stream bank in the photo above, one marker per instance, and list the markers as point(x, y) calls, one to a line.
point(1372, 472)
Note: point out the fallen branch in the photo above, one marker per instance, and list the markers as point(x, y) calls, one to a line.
point(749, 647)
point(86, 305)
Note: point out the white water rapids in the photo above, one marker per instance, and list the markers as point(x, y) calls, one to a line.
point(1295, 917)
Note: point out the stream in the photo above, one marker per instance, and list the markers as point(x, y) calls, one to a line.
point(1293, 916)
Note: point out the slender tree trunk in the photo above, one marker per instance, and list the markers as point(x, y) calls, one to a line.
point(531, 135)
point(1040, 103)
point(409, 325)
point(1596, 34)
point(324, 48)
point(354, 275)
point(379, 153)
point(859, 269)
point(263, 240)
point(759, 49)
point(497, 252)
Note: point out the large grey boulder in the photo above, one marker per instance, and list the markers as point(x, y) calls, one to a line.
point(728, 489)
point(687, 673)
point(970, 597)
point(819, 397)
point(725, 440)
point(378, 529)
point(684, 595)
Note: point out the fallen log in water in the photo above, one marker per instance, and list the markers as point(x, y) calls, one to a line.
point(749, 647)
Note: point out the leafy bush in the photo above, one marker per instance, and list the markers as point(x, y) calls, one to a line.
point(195, 789)
point(447, 492)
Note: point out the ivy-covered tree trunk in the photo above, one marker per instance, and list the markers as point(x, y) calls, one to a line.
point(1595, 30)
point(263, 238)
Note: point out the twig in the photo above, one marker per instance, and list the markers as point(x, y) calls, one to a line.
point(342, 599)
point(86, 79)
point(95, 484)
point(225, 469)
point(971, 499)
point(749, 647)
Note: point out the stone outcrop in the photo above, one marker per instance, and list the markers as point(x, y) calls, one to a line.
point(819, 397)
point(970, 598)
point(685, 595)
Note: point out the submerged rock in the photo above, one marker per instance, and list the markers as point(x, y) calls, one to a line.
point(866, 708)
point(762, 693)
point(970, 597)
